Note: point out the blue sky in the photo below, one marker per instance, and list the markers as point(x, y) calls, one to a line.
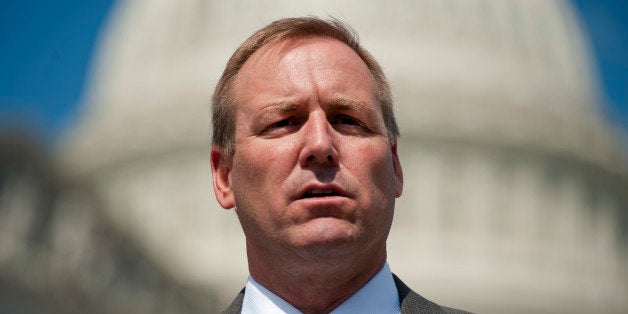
point(46, 48)
point(606, 24)
point(44, 55)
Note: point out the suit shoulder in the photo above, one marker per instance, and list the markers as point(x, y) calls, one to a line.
point(236, 305)
point(453, 311)
point(412, 302)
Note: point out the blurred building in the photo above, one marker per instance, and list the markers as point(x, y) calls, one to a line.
point(59, 253)
point(515, 193)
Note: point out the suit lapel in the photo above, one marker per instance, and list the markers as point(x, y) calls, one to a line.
point(236, 305)
point(409, 301)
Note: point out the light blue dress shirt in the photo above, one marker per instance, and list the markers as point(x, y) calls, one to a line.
point(378, 295)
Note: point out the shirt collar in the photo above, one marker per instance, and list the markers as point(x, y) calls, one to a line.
point(378, 295)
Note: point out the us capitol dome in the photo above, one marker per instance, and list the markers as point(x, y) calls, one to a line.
point(515, 197)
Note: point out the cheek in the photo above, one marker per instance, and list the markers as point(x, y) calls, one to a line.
point(250, 192)
point(261, 168)
point(375, 160)
point(372, 166)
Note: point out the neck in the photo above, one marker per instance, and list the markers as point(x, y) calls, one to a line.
point(315, 285)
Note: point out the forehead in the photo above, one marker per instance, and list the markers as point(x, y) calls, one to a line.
point(294, 63)
point(290, 50)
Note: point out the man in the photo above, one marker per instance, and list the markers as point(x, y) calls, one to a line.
point(305, 150)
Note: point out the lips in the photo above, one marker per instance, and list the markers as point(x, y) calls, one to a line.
point(318, 200)
point(320, 192)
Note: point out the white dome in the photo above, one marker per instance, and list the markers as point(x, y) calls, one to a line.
point(510, 170)
point(512, 73)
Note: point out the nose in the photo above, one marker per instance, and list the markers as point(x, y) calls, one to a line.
point(318, 142)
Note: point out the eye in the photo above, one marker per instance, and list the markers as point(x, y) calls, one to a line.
point(349, 125)
point(282, 123)
point(280, 126)
point(345, 120)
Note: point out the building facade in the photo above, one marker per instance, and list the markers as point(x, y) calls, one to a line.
point(515, 193)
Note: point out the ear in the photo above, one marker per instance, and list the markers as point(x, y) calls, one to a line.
point(397, 169)
point(221, 173)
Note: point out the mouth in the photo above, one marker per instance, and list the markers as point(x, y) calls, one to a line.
point(311, 193)
point(320, 192)
point(323, 201)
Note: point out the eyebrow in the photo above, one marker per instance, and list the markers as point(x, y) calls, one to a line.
point(271, 110)
point(341, 103)
point(336, 104)
point(287, 106)
point(346, 104)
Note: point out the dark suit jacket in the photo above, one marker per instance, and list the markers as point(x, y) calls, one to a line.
point(410, 302)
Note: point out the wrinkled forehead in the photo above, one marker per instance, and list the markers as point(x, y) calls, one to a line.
point(278, 61)
point(274, 52)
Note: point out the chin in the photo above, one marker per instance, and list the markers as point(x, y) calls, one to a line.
point(327, 235)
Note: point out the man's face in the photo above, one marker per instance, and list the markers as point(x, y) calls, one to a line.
point(313, 170)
